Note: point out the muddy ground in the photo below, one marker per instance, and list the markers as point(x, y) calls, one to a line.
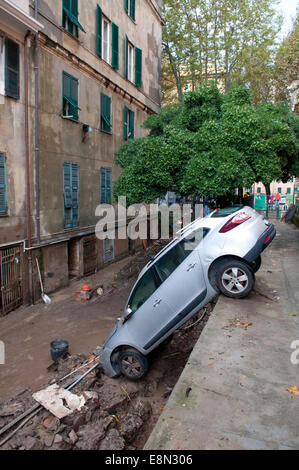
point(120, 415)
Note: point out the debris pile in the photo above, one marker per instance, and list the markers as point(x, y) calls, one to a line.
point(116, 414)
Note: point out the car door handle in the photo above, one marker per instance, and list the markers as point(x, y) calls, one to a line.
point(191, 266)
point(157, 303)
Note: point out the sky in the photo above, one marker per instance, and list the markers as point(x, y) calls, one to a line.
point(288, 9)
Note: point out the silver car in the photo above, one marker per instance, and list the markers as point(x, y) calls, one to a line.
point(217, 253)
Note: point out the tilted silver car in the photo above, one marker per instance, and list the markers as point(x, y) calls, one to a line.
point(217, 253)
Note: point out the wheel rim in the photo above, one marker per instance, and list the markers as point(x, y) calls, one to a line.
point(131, 366)
point(235, 280)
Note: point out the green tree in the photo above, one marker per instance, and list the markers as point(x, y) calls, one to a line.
point(210, 144)
point(230, 41)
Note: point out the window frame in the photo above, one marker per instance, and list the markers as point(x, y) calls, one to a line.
point(106, 21)
point(129, 118)
point(69, 99)
point(9, 69)
point(70, 22)
point(73, 205)
point(130, 8)
point(131, 61)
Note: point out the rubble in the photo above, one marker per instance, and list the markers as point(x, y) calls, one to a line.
point(117, 414)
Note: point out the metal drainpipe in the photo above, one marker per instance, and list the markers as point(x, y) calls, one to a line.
point(28, 185)
point(36, 129)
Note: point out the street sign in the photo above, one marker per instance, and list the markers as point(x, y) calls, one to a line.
point(260, 202)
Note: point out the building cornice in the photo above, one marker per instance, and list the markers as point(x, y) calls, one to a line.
point(19, 17)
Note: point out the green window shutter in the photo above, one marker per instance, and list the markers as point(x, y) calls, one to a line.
point(114, 46)
point(70, 10)
point(108, 185)
point(105, 182)
point(3, 194)
point(138, 67)
point(126, 122)
point(12, 69)
point(99, 31)
point(105, 113)
point(103, 186)
point(75, 194)
point(67, 194)
point(126, 5)
point(132, 9)
point(126, 52)
point(131, 124)
point(71, 194)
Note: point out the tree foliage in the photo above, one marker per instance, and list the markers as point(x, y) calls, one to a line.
point(210, 144)
point(230, 41)
point(287, 63)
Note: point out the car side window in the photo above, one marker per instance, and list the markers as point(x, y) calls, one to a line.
point(174, 257)
point(142, 292)
point(170, 261)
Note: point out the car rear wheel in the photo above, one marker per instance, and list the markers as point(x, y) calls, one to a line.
point(132, 364)
point(235, 279)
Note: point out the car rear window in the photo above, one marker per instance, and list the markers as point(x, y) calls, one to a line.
point(226, 211)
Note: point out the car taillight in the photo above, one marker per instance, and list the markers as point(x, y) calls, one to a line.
point(267, 239)
point(235, 222)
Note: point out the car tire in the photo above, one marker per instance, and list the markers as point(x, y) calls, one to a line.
point(256, 264)
point(234, 278)
point(133, 365)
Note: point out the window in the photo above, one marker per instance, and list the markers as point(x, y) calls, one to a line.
point(70, 87)
point(176, 255)
point(105, 41)
point(133, 63)
point(2, 62)
point(259, 190)
point(70, 17)
point(3, 197)
point(106, 185)
point(288, 190)
point(105, 31)
point(130, 8)
point(12, 69)
point(142, 292)
point(105, 113)
point(130, 62)
point(71, 194)
point(129, 118)
point(279, 190)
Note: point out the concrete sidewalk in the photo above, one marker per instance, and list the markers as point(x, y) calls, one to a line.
point(238, 374)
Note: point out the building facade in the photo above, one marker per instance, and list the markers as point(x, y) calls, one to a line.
point(88, 75)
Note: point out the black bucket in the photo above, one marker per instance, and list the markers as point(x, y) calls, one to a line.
point(58, 349)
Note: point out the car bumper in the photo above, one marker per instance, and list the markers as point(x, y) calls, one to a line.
point(263, 242)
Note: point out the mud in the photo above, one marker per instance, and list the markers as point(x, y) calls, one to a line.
point(119, 414)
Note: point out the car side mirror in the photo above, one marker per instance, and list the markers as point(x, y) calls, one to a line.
point(128, 314)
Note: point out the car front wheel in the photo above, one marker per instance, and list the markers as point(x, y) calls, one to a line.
point(235, 279)
point(132, 364)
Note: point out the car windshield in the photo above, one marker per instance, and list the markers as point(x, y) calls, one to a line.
point(145, 287)
point(226, 211)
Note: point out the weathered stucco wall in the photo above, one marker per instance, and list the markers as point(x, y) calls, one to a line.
point(61, 140)
point(12, 144)
point(145, 33)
